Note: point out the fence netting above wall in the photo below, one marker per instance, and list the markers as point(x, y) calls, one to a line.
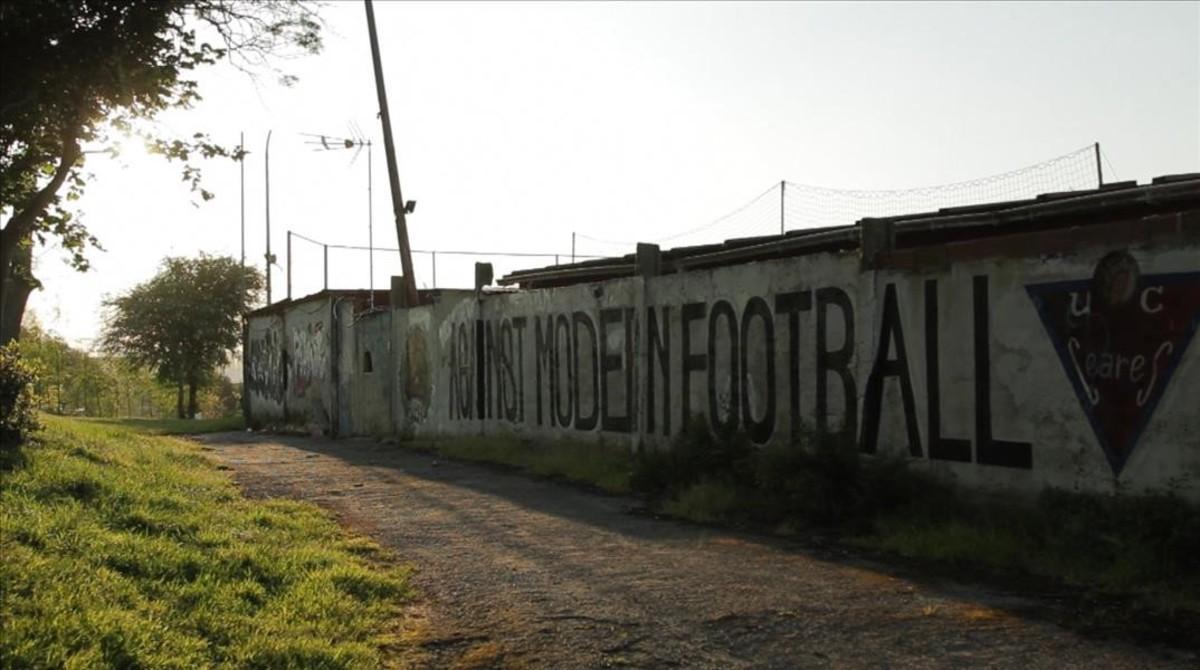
point(792, 206)
point(784, 206)
point(317, 265)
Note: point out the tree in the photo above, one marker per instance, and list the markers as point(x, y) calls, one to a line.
point(184, 321)
point(77, 71)
point(71, 380)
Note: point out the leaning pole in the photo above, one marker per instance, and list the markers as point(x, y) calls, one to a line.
point(398, 206)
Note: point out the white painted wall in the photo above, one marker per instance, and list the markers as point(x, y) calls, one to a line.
point(1033, 432)
point(1022, 406)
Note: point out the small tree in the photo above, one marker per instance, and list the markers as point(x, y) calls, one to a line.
point(183, 322)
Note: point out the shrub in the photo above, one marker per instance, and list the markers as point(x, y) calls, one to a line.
point(1143, 536)
point(707, 501)
point(695, 454)
point(818, 479)
point(824, 479)
point(17, 415)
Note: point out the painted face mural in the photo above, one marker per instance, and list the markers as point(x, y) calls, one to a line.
point(1120, 336)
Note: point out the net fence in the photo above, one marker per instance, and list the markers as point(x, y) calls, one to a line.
point(315, 265)
point(791, 206)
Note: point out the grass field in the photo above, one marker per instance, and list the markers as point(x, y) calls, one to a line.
point(174, 426)
point(126, 549)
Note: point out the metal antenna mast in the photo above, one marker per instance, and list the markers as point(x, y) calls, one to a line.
point(267, 170)
point(329, 143)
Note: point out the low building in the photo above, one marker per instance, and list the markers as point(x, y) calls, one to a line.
point(1007, 346)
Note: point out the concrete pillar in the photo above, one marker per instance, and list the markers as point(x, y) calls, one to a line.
point(877, 236)
point(397, 292)
point(483, 275)
point(649, 260)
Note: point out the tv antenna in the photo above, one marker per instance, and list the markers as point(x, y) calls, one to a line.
point(356, 142)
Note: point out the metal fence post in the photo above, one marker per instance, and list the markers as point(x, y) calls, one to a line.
point(326, 251)
point(289, 265)
point(782, 192)
point(433, 255)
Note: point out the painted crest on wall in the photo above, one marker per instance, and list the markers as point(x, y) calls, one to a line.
point(1120, 336)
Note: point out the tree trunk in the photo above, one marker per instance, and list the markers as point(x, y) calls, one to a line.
point(14, 293)
point(192, 399)
point(17, 231)
point(179, 401)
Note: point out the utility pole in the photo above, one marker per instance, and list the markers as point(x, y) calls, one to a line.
point(399, 207)
point(242, 167)
point(267, 163)
point(370, 232)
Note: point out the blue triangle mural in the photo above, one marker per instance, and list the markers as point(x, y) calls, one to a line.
point(1119, 339)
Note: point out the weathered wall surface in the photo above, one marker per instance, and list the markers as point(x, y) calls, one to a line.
point(288, 372)
point(419, 372)
point(1011, 374)
point(367, 375)
point(1008, 373)
point(263, 373)
point(310, 389)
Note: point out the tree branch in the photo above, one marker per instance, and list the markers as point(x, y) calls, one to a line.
point(21, 224)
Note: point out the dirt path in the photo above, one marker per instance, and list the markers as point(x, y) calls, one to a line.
point(518, 572)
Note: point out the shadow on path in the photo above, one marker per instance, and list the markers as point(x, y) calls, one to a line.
point(549, 574)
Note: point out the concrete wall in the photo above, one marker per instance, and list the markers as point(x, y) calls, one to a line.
point(419, 372)
point(305, 365)
point(289, 360)
point(366, 374)
point(1075, 370)
point(310, 389)
point(263, 372)
point(1010, 374)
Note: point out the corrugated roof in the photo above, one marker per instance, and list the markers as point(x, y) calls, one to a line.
point(949, 224)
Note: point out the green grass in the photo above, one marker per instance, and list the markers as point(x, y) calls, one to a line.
point(706, 501)
point(1145, 546)
point(606, 467)
point(175, 426)
point(124, 549)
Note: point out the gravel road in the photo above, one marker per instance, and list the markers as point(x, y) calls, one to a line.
point(513, 571)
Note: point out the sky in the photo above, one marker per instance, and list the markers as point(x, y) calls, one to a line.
point(519, 124)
